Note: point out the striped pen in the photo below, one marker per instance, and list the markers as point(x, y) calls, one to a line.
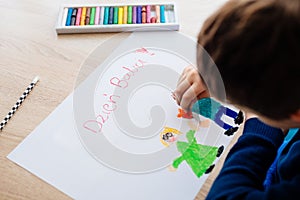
point(19, 102)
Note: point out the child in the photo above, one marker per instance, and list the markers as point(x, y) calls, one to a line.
point(255, 44)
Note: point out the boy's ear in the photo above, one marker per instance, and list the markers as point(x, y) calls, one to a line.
point(296, 116)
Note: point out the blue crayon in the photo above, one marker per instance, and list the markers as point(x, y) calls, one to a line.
point(68, 22)
point(139, 15)
point(162, 14)
point(111, 15)
point(106, 15)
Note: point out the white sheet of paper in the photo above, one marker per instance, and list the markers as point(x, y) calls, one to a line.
point(57, 150)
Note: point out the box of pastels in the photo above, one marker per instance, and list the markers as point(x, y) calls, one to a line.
point(117, 18)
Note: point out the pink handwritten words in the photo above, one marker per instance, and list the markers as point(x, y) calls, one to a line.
point(96, 125)
point(107, 108)
point(123, 82)
point(145, 51)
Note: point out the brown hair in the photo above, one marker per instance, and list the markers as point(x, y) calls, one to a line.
point(255, 45)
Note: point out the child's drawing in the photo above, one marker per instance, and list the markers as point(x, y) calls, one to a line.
point(183, 114)
point(211, 109)
point(199, 157)
point(193, 124)
point(168, 136)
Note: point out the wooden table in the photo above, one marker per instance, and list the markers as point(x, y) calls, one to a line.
point(29, 46)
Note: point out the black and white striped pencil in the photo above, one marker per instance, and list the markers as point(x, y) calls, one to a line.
point(19, 102)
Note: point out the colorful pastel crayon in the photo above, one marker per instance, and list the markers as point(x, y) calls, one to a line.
point(97, 15)
point(120, 15)
point(92, 16)
point(129, 18)
point(116, 10)
point(139, 15)
point(171, 14)
point(166, 15)
point(134, 14)
point(162, 14)
point(68, 22)
point(83, 14)
point(65, 16)
point(87, 16)
point(73, 17)
point(148, 13)
point(106, 15)
point(144, 15)
point(78, 16)
point(125, 15)
point(153, 20)
point(153, 13)
point(157, 11)
point(101, 19)
point(111, 15)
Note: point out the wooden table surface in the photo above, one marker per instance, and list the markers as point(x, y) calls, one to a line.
point(29, 46)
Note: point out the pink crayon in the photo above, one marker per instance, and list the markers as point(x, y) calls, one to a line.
point(78, 16)
point(148, 13)
point(97, 15)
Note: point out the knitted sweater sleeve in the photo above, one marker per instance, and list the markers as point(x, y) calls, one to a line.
point(246, 164)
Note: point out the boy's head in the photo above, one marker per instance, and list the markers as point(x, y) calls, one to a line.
point(255, 45)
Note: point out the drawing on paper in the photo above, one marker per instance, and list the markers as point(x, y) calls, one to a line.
point(199, 157)
point(212, 109)
point(168, 136)
point(183, 114)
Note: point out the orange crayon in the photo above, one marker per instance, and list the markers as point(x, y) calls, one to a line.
point(144, 16)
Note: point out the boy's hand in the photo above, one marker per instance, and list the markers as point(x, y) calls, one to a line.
point(190, 88)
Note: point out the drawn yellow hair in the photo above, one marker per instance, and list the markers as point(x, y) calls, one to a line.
point(168, 130)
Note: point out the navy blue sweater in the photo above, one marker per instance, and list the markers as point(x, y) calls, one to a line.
point(247, 163)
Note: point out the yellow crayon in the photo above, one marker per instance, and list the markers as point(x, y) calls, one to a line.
point(120, 20)
point(83, 14)
point(125, 15)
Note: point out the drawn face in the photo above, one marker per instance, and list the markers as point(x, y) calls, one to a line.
point(169, 137)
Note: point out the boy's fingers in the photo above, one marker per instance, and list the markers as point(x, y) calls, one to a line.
point(186, 74)
point(190, 88)
point(180, 90)
point(190, 97)
point(188, 78)
point(204, 94)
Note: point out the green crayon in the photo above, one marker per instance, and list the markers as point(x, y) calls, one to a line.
point(92, 17)
point(129, 12)
point(116, 10)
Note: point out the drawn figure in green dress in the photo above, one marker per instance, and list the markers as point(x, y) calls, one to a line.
point(199, 157)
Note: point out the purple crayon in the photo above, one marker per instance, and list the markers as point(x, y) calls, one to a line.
point(134, 14)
